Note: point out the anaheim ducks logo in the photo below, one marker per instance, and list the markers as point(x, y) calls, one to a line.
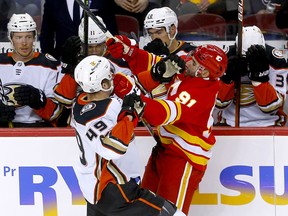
point(247, 95)
point(277, 53)
point(8, 90)
point(87, 108)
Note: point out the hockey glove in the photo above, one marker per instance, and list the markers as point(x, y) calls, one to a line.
point(258, 63)
point(132, 105)
point(120, 47)
point(7, 113)
point(28, 95)
point(157, 47)
point(70, 52)
point(124, 85)
point(166, 68)
point(237, 67)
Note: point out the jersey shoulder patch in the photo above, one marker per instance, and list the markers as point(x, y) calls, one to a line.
point(45, 60)
point(277, 53)
point(86, 112)
point(276, 57)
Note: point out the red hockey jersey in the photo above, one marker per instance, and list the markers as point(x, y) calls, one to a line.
point(185, 119)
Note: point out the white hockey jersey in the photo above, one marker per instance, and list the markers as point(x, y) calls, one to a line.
point(252, 113)
point(41, 72)
point(102, 158)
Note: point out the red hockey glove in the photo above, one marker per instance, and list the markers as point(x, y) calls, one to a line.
point(124, 85)
point(120, 47)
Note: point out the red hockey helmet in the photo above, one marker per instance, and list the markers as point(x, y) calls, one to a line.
point(212, 58)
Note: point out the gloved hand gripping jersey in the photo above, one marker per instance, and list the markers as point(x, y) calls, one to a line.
point(121, 47)
point(132, 105)
point(166, 68)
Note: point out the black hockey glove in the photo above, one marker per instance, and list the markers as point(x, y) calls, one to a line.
point(258, 63)
point(70, 52)
point(132, 105)
point(28, 95)
point(157, 47)
point(7, 113)
point(237, 67)
point(166, 68)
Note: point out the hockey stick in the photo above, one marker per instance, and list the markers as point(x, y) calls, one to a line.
point(94, 18)
point(239, 51)
point(4, 101)
point(126, 48)
point(100, 25)
point(158, 147)
point(86, 26)
point(151, 131)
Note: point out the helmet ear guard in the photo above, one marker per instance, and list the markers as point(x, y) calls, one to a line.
point(211, 58)
point(21, 23)
point(251, 35)
point(95, 34)
point(92, 71)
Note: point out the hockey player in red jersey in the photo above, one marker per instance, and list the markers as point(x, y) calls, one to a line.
point(28, 78)
point(108, 166)
point(185, 128)
point(184, 122)
point(263, 70)
point(160, 27)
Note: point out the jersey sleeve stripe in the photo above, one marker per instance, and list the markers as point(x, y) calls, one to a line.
point(114, 144)
point(187, 141)
point(173, 111)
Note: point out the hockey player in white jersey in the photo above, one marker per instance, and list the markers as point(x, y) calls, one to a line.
point(108, 165)
point(96, 46)
point(28, 78)
point(263, 70)
point(72, 52)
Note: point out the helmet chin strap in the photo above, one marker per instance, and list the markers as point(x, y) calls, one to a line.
point(171, 38)
point(104, 51)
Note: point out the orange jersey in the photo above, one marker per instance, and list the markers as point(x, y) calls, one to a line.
point(185, 118)
point(66, 90)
